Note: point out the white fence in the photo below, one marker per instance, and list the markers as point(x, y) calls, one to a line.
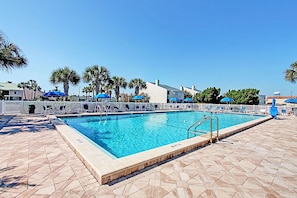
point(61, 107)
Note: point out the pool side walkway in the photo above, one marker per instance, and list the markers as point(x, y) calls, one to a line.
point(258, 162)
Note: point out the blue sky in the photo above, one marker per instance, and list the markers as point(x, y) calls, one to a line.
point(224, 44)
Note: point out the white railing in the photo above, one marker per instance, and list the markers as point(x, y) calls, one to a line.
point(57, 107)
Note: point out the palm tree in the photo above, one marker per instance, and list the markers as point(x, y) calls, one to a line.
point(291, 74)
point(10, 55)
point(65, 76)
point(108, 87)
point(117, 83)
point(88, 89)
point(23, 85)
point(32, 85)
point(138, 84)
point(97, 76)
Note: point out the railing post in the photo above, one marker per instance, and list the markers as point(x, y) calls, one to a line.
point(211, 130)
point(217, 128)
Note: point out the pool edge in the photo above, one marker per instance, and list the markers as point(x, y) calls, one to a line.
point(108, 169)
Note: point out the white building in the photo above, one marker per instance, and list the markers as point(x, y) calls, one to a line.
point(262, 99)
point(10, 91)
point(159, 93)
point(191, 90)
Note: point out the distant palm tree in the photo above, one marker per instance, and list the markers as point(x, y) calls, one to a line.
point(117, 83)
point(88, 89)
point(291, 74)
point(32, 85)
point(98, 76)
point(138, 84)
point(65, 76)
point(23, 85)
point(10, 55)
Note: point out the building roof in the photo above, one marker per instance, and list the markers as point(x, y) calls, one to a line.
point(191, 88)
point(9, 86)
point(167, 87)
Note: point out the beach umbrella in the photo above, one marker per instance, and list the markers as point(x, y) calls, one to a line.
point(273, 109)
point(291, 100)
point(54, 94)
point(173, 99)
point(188, 100)
point(138, 97)
point(102, 95)
point(227, 100)
point(273, 102)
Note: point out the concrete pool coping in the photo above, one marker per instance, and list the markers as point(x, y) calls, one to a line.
point(106, 168)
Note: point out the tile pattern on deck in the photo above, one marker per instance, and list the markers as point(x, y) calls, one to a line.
point(259, 162)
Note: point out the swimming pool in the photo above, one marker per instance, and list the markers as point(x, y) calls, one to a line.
point(106, 168)
point(123, 135)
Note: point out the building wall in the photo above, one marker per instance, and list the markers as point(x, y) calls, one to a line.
point(156, 93)
point(262, 99)
point(175, 94)
point(279, 100)
point(10, 91)
point(192, 91)
point(14, 95)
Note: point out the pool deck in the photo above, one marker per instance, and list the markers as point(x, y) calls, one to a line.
point(261, 161)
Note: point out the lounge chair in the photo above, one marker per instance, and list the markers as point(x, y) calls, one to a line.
point(127, 107)
point(209, 108)
point(107, 108)
point(62, 109)
point(243, 110)
point(86, 108)
point(98, 108)
point(293, 112)
point(219, 109)
point(48, 109)
point(284, 112)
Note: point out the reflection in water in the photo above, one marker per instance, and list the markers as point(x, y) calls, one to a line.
point(156, 120)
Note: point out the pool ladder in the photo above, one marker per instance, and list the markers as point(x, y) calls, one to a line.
point(193, 128)
point(100, 109)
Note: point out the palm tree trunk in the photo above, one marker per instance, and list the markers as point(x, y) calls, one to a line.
point(24, 93)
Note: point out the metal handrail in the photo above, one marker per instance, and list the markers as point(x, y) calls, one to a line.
point(201, 121)
point(217, 128)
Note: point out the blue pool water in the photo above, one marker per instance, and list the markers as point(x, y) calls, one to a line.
point(123, 135)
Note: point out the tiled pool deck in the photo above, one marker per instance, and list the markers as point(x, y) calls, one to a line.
point(258, 162)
